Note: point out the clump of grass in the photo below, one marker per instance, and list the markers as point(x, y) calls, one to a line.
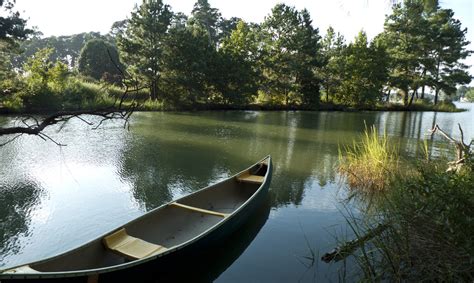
point(430, 218)
point(151, 105)
point(369, 165)
point(428, 214)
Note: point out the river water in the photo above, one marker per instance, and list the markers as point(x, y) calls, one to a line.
point(55, 198)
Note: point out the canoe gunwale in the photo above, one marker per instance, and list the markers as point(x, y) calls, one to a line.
point(94, 271)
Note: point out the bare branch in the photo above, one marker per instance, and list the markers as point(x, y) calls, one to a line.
point(120, 110)
point(436, 128)
point(45, 136)
point(463, 151)
point(11, 140)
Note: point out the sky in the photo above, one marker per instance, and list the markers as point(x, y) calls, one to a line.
point(66, 17)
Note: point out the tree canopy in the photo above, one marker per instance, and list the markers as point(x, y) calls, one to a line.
point(142, 42)
point(100, 60)
point(205, 60)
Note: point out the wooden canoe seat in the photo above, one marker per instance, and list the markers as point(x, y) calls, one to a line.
point(130, 247)
point(196, 209)
point(248, 178)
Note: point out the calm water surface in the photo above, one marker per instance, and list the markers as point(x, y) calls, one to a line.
point(56, 198)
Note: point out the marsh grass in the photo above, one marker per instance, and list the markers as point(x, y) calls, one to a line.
point(370, 164)
point(429, 214)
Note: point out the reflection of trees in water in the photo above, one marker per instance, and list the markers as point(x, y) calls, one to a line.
point(160, 170)
point(189, 151)
point(411, 128)
point(17, 202)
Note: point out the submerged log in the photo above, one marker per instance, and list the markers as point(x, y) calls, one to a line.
point(347, 248)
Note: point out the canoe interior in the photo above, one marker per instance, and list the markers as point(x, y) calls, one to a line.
point(168, 226)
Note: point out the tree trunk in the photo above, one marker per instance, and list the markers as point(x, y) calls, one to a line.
point(405, 96)
point(436, 96)
point(412, 96)
point(153, 90)
point(437, 78)
point(422, 96)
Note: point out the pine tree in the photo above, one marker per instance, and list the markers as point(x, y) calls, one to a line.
point(142, 43)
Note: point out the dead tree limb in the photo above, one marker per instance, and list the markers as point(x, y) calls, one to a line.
point(463, 151)
point(347, 248)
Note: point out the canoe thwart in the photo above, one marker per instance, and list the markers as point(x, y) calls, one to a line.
point(130, 247)
point(21, 269)
point(205, 211)
point(248, 178)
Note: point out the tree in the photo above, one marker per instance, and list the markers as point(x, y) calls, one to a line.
point(332, 47)
point(405, 35)
point(12, 30)
point(142, 43)
point(365, 72)
point(227, 26)
point(238, 73)
point(448, 46)
point(45, 81)
point(186, 64)
point(309, 59)
point(208, 18)
point(99, 58)
point(291, 51)
point(65, 48)
point(470, 94)
point(12, 26)
point(118, 28)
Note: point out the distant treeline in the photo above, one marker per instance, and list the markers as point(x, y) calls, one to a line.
point(204, 59)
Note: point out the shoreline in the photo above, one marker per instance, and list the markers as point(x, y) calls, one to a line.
point(261, 107)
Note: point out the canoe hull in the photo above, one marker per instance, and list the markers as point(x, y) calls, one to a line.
point(167, 265)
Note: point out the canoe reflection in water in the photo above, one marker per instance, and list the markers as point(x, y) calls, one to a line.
point(196, 237)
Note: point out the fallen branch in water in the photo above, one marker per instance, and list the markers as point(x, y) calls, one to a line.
point(347, 248)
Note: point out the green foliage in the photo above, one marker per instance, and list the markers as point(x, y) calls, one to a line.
point(12, 26)
point(291, 55)
point(470, 94)
point(430, 229)
point(448, 47)
point(186, 57)
point(364, 73)
point(65, 48)
point(239, 74)
point(100, 60)
point(206, 59)
point(426, 45)
point(49, 86)
point(428, 212)
point(405, 38)
point(332, 47)
point(142, 42)
point(207, 18)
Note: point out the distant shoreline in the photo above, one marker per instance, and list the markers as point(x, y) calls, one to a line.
point(323, 107)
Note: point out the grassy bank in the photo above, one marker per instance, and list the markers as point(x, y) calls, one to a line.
point(429, 215)
point(75, 94)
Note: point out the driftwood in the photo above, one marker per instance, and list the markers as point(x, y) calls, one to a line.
point(464, 153)
point(347, 248)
